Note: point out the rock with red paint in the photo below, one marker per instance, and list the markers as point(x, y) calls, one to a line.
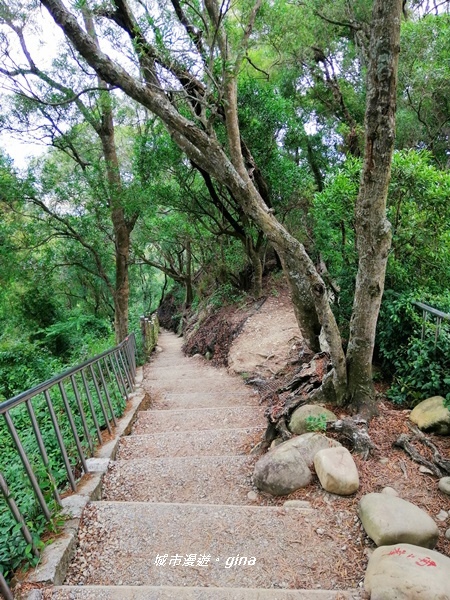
point(389, 520)
point(407, 572)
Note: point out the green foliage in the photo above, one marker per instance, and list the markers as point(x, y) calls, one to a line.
point(24, 364)
point(13, 549)
point(419, 211)
point(420, 367)
point(225, 294)
point(333, 222)
point(424, 76)
point(316, 422)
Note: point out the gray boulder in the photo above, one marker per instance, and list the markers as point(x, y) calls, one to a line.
point(431, 415)
point(298, 422)
point(286, 467)
point(407, 572)
point(444, 485)
point(390, 520)
point(337, 471)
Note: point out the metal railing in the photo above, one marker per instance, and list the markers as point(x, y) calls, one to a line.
point(437, 315)
point(74, 406)
point(149, 331)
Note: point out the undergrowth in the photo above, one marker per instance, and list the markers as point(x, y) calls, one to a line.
point(15, 552)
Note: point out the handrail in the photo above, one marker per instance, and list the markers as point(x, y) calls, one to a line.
point(437, 314)
point(41, 387)
point(88, 396)
point(433, 311)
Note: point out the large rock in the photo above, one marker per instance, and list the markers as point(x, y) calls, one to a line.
point(286, 467)
point(407, 572)
point(390, 520)
point(431, 415)
point(298, 423)
point(337, 471)
point(444, 485)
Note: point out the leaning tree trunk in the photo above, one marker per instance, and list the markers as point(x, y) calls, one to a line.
point(189, 297)
point(308, 289)
point(373, 234)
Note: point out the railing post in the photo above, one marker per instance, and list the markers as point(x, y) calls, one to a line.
point(4, 589)
point(27, 466)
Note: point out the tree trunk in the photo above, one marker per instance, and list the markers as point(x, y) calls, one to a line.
point(121, 229)
point(373, 234)
point(257, 266)
point(189, 298)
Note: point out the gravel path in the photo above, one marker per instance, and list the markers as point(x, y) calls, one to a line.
point(181, 489)
point(183, 443)
point(197, 419)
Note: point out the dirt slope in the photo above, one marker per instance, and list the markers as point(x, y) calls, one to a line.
point(267, 339)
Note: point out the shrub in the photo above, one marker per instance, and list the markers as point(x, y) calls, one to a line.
point(420, 368)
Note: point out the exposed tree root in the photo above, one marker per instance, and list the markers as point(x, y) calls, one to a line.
point(439, 466)
point(354, 431)
point(312, 383)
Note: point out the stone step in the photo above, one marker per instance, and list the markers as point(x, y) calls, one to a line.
point(197, 419)
point(173, 400)
point(184, 367)
point(124, 592)
point(199, 384)
point(138, 544)
point(211, 442)
point(206, 479)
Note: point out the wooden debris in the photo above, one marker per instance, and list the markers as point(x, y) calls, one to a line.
point(439, 466)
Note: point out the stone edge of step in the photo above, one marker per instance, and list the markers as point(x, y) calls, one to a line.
point(56, 556)
point(179, 592)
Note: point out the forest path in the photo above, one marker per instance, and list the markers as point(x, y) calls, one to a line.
point(179, 513)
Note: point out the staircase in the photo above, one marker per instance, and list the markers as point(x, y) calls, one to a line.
point(179, 517)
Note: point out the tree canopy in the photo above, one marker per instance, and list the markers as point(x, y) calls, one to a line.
point(190, 141)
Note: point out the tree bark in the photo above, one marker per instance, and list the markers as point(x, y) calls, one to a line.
point(373, 233)
point(121, 228)
point(189, 298)
point(255, 259)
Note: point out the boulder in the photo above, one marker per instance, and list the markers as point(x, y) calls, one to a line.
point(285, 468)
point(444, 485)
point(298, 423)
point(337, 471)
point(432, 416)
point(407, 572)
point(389, 520)
point(390, 491)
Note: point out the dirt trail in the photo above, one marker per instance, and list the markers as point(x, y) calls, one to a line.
point(267, 340)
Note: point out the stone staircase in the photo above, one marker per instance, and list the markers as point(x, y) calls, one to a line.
point(179, 517)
